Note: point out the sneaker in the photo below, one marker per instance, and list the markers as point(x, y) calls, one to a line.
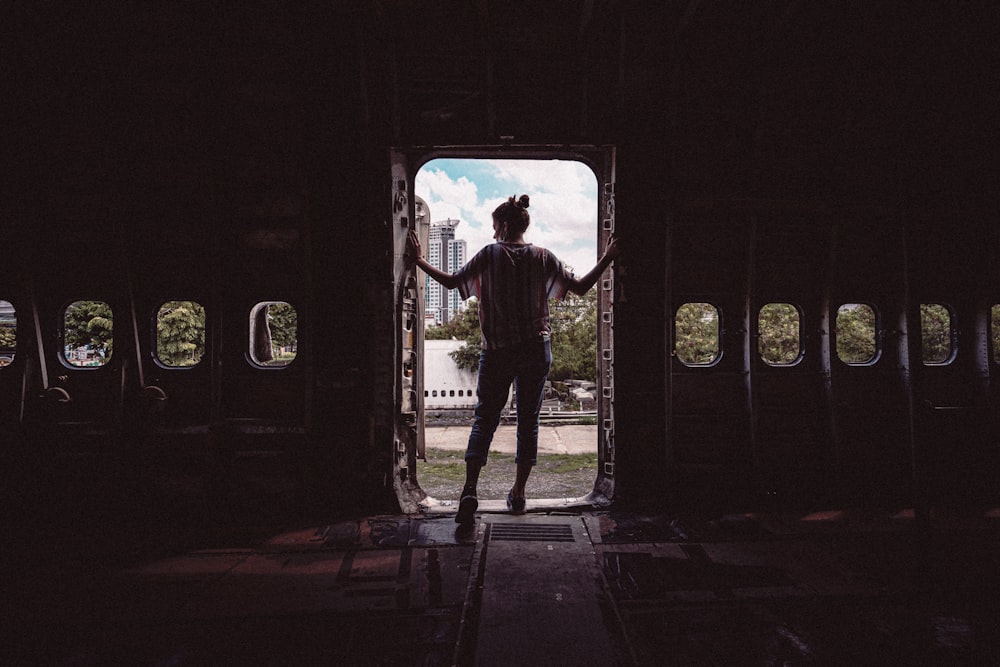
point(467, 509)
point(515, 505)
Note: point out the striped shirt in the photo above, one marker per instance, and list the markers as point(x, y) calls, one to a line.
point(514, 284)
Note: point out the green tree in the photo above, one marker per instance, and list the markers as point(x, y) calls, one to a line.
point(574, 337)
point(778, 329)
point(855, 333)
point(8, 326)
point(995, 331)
point(465, 327)
point(696, 333)
point(8, 342)
point(935, 333)
point(180, 333)
point(89, 324)
point(284, 324)
point(8, 338)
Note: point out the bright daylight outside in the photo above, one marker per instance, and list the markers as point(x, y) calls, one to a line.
point(460, 195)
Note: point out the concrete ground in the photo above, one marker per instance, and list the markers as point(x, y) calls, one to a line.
point(552, 439)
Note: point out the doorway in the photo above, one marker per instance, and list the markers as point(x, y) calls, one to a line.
point(572, 214)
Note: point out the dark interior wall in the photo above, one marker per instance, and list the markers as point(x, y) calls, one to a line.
point(171, 135)
point(179, 145)
point(814, 136)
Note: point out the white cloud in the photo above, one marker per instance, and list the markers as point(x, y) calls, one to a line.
point(545, 176)
point(563, 208)
point(447, 198)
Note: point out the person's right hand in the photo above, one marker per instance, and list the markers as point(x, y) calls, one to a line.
point(412, 245)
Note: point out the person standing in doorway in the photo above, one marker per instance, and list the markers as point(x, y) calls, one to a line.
point(513, 281)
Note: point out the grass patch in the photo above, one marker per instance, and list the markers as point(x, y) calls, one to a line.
point(579, 421)
point(450, 465)
point(556, 475)
point(564, 463)
point(445, 470)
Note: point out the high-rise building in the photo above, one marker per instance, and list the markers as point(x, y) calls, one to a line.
point(447, 253)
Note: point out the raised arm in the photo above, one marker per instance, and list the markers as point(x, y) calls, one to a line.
point(582, 285)
point(413, 250)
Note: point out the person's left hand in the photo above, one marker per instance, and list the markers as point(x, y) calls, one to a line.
point(612, 250)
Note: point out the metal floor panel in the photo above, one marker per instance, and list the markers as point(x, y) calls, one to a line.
point(531, 532)
point(536, 588)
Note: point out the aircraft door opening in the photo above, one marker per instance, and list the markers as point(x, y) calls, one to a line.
point(419, 178)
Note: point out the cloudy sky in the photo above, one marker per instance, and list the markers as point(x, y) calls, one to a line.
point(563, 202)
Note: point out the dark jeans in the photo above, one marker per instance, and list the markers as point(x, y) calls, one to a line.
point(526, 365)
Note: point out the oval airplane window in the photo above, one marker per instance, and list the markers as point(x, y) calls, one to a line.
point(937, 343)
point(696, 334)
point(88, 334)
point(180, 333)
point(855, 331)
point(274, 332)
point(8, 333)
point(779, 329)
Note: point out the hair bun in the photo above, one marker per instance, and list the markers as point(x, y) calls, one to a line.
point(523, 201)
